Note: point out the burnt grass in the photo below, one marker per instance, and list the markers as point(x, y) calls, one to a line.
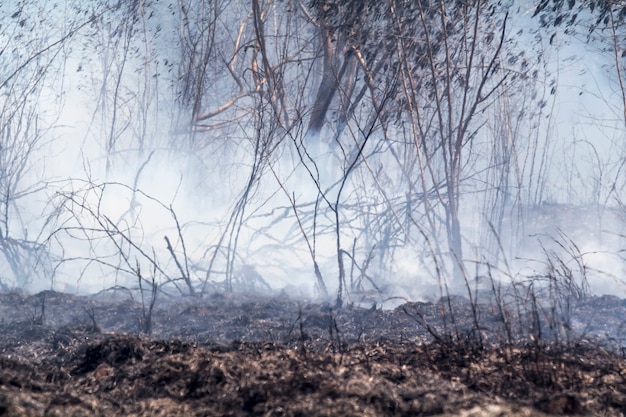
point(240, 355)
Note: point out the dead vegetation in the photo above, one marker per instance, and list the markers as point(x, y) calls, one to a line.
point(64, 355)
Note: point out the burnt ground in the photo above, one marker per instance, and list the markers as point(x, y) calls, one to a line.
point(227, 355)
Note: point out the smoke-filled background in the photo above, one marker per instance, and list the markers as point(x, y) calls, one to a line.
point(350, 150)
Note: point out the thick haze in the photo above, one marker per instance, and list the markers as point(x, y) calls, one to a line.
point(263, 138)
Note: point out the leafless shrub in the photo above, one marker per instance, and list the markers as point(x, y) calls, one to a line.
point(533, 313)
point(117, 247)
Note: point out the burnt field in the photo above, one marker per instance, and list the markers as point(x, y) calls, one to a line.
point(225, 151)
point(66, 355)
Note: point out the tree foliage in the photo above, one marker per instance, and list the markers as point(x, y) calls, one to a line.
point(567, 13)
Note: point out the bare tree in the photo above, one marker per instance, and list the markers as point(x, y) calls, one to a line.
point(32, 53)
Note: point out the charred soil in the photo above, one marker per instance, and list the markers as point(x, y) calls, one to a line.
point(227, 355)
